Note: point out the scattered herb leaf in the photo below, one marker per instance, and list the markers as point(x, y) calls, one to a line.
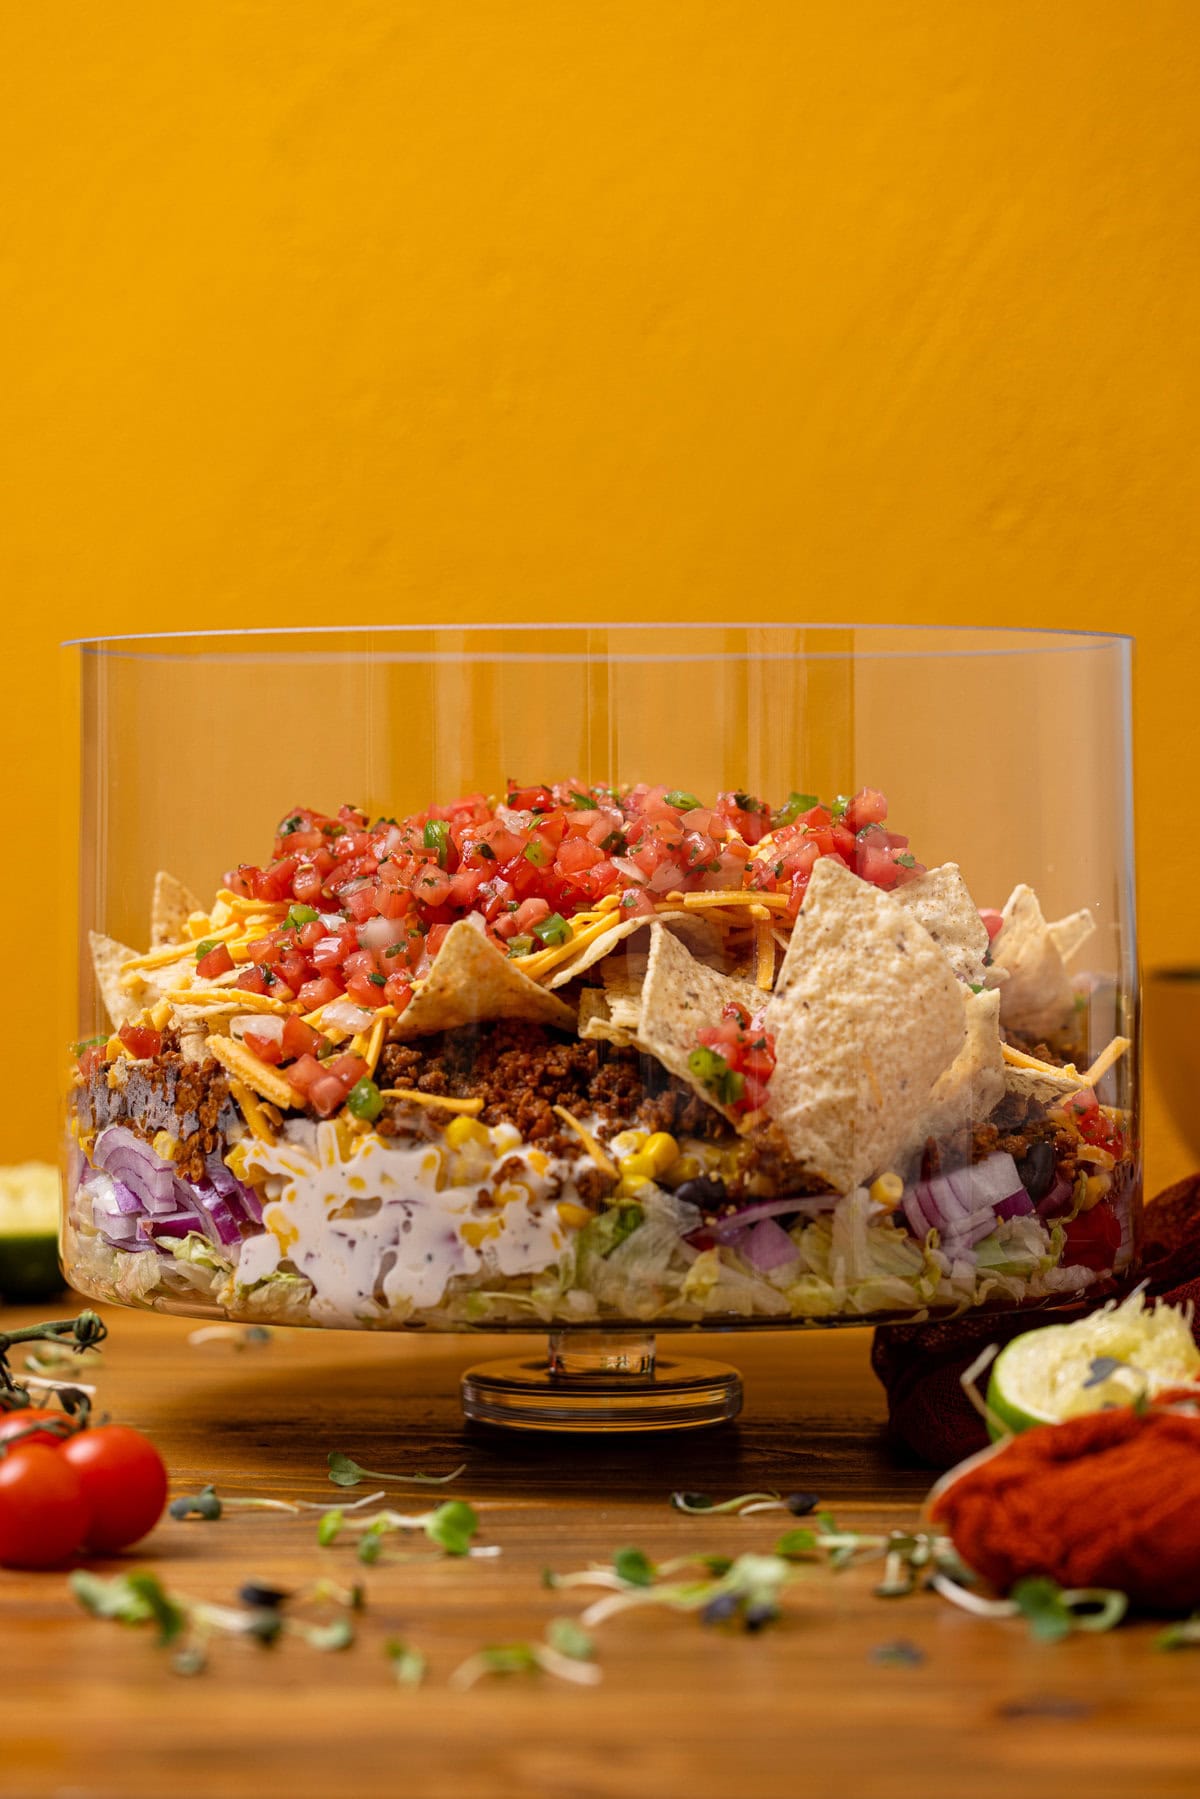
point(344, 1471)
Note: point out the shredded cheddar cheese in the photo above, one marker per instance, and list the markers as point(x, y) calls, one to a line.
point(1108, 1058)
point(468, 1107)
point(602, 1161)
point(252, 1111)
point(256, 1075)
point(764, 949)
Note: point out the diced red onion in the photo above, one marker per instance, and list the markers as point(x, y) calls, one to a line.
point(768, 1246)
point(1017, 1205)
point(629, 868)
point(988, 1182)
point(725, 1228)
point(1057, 1201)
point(126, 1158)
point(667, 876)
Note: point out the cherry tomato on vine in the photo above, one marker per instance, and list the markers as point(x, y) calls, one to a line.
point(123, 1480)
point(43, 1513)
point(16, 1424)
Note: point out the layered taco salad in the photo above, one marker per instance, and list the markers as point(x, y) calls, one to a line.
point(585, 1054)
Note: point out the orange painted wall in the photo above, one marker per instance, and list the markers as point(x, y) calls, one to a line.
point(385, 310)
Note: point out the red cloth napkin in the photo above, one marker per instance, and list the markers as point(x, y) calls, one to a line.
point(930, 1416)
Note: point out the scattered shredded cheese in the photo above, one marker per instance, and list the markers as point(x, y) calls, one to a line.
point(228, 999)
point(252, 1111)
point(734, 896)
point(469, 1107)
point(602, 1161)
point(255, 1074)
point(1105, 1060)
point(764, 946)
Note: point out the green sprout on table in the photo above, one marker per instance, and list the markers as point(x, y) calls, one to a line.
point(566, 1653)
point(185, 1625)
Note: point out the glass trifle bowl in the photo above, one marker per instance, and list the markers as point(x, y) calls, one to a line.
point(612, 980)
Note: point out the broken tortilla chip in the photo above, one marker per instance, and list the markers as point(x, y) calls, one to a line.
point(1038, 996)
point(472, 980)
point(1071, 933)
point(867, 1015)
point(679, 997)
point(171, 905)
point(703, 936)
point(942, 902)
point(973, 1085)
point(108, 959)
point(596, 1023)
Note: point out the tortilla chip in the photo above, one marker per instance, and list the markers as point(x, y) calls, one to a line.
point(867, 1015)
point(704, 937)
point(596, 1023)
point(973, 1085)
point(1071, 933)
point(472, 980)
point(942, 902)
point(680, 996)
point(108, 958)
point(171, 905)
point(1037, 997)
point(1042, 1081)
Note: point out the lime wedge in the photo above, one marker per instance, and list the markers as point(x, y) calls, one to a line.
point(29, 1199)
point(1121, 1355)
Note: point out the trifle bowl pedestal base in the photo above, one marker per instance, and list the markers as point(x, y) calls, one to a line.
point(601, 1381)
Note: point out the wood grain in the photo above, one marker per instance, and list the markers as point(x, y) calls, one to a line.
point(93, 1711)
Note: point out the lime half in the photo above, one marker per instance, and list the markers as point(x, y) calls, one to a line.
point(29, 1197)
point(1120, 1355)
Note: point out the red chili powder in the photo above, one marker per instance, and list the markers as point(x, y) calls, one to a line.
point(1107, 1500)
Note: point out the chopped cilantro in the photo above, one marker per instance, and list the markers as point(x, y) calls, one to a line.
point(377, 980)
point(583, 802)
point(906, 861)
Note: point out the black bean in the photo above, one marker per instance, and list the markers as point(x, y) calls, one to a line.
point(1036, 1170)
point(707, 1191)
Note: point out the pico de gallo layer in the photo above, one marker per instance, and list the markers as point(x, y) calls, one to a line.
point(545, 1052)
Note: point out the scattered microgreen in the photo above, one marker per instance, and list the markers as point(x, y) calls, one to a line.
point(408, 1665)
point(798, 1504)
point(1184, 1635)
point(238, 1336)
point(344, 1471)
point(210, 1505)
point(451, 1526)
point(1053, 1612)
point(185, 1623)
point(566, 1653)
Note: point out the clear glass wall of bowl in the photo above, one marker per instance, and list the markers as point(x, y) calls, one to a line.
point(915, 1077)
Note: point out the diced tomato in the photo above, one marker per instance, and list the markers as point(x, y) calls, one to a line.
point(348, 1068)
point(992, 921)
point(319, 992)
point(251, 979)
point(398, 991)
point(308, 883)
point(299, 1039)
point(267, 1049)
point(91, 1061)
point(329, 953)
point(637, 904)
point(432, 886)
point(326, 1095)
point(367, 989)
point(1092, 1239)
point(303, 1073)
point(868, 807)
point(217, 961)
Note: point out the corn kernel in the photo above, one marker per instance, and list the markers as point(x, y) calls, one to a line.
point(160, 1017)
point(631, 1185)
point(628, 1143)
point(573, 1216)
point(165, 1145)
point(1097, 1186)
point(640, 1167)
point(463, 1130)
point(683, 1168)
point(661, 1149)
point(888, 1190)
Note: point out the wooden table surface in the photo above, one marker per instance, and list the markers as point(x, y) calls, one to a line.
point(93, 1709)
